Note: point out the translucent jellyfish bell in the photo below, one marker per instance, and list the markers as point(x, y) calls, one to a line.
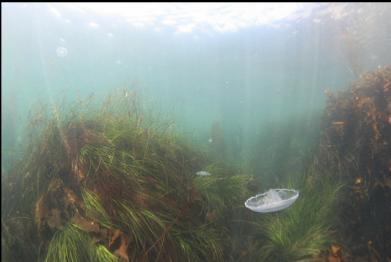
point(273, 200)
point(61, 51)
point(203, 173)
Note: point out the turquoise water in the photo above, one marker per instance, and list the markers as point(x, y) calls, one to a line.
point(250, 69)
point(235, 99)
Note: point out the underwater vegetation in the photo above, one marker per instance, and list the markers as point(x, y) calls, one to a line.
point(112, 182)
point(283, 148)
point(108, 184)
point(218, 146)
point(305, 230)
point(356, 146)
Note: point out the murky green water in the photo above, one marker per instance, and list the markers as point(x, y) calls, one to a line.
point(247, 83)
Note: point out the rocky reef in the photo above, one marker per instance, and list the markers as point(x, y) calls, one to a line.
point(356, 146)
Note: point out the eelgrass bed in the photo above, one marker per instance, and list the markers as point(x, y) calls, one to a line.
point(303, 231)
point(112, 183)
point(108, 184)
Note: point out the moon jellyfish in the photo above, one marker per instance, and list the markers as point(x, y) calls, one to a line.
point(273, 200)
point(61, 51)
point(203, 173)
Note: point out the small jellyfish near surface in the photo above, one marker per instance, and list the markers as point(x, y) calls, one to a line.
point(61, 51)
point(203, 173)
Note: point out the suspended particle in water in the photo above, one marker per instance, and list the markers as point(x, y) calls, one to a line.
point(93, 24)
point(373, 57)
point(316, 20)
point(61, 51)
point(210, 140)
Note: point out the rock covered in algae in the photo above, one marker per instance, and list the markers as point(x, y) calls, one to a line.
point(356, 143)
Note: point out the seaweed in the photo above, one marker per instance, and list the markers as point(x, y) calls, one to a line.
point(112, 183)
point(70, 244)
point(304, 230)
point(117, 183)
point(355, 145)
